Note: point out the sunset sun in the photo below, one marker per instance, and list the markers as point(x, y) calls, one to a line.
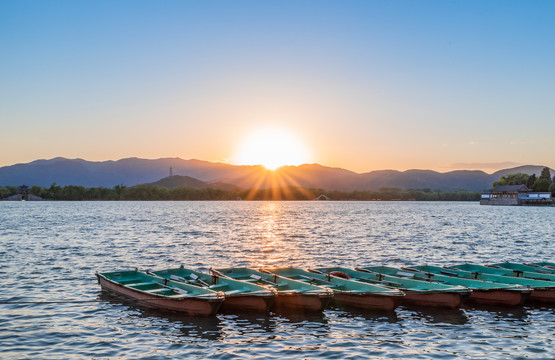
point(271, 148)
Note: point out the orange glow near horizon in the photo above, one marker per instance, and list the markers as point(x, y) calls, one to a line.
point(271, 148)
point(276, 185)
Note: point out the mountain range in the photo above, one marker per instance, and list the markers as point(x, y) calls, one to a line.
point(134, 171)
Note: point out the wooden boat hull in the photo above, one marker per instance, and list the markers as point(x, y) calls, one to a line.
point(302, 302)
point(543, 295)
point(346, 292)
point(191, 306)
point(438, 299)
point(239, 296)
point(247, 303)
point(367, 301)
point(499, 297)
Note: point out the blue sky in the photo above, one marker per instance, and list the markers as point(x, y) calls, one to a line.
point(364, 85)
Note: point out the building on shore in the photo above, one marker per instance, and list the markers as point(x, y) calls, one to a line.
point(515, 195)
point(20, 197)
point(322, 197)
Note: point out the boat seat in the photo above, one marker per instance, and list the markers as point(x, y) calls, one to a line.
point(231, 292)
point(179, 290)
point(156, 290)
point(130, 281)
point(140, 284)
point(178, 278)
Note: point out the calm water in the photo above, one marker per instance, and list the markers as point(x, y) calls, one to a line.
point(50, 251)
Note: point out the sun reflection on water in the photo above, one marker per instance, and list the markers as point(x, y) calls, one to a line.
point(270, 242)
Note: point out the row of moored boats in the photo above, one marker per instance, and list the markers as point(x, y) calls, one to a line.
point(373, 288)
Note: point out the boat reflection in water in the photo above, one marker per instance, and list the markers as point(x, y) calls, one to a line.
point(240, 328)
point(316, 324)
point(518, 314)
point(436, 315)
point(190, 327)
point(340, 314)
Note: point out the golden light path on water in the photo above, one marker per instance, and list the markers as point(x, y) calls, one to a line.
point(272, 246)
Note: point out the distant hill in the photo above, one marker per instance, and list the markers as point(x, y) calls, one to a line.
point(525, 169)
point(175, 181)
point(422, 179)
point(197, 173)
point(130, 171)
point(171, 182)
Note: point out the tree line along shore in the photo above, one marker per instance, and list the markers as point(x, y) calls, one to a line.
point(152, 192)
point(542, 183)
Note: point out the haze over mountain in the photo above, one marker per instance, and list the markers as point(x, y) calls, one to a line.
point(133, 171)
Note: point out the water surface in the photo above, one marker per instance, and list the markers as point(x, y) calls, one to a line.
point(50, 251)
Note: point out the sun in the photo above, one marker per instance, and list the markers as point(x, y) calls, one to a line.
point(271, 148)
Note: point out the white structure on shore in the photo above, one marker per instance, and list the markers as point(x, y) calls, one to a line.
point(515, 195)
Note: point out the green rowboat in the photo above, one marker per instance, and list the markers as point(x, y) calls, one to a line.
point(239, 295)
point(417, 291)
point(495, 270)
point(545, 264)
point(543, 291)
point(163, 294)
point(292, 295)
point(524, 267)
point(483, 292)
point(347, 292)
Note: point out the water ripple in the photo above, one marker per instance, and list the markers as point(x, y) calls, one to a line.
point(51, 250)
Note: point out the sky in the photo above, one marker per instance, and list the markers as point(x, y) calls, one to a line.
point(363, 85)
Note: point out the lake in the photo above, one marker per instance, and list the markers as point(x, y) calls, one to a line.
point(50, 252)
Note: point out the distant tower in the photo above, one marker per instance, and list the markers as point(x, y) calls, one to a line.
point(171, 171)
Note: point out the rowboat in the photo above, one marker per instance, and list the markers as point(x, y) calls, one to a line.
point(496, 270)
point(483, 292)
point(239, 295)
point(525, 267)
point(545, 264)
point(163, 294)
point(292, 295)
point(543, 291)
point(348, 292)
point(417, 292)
